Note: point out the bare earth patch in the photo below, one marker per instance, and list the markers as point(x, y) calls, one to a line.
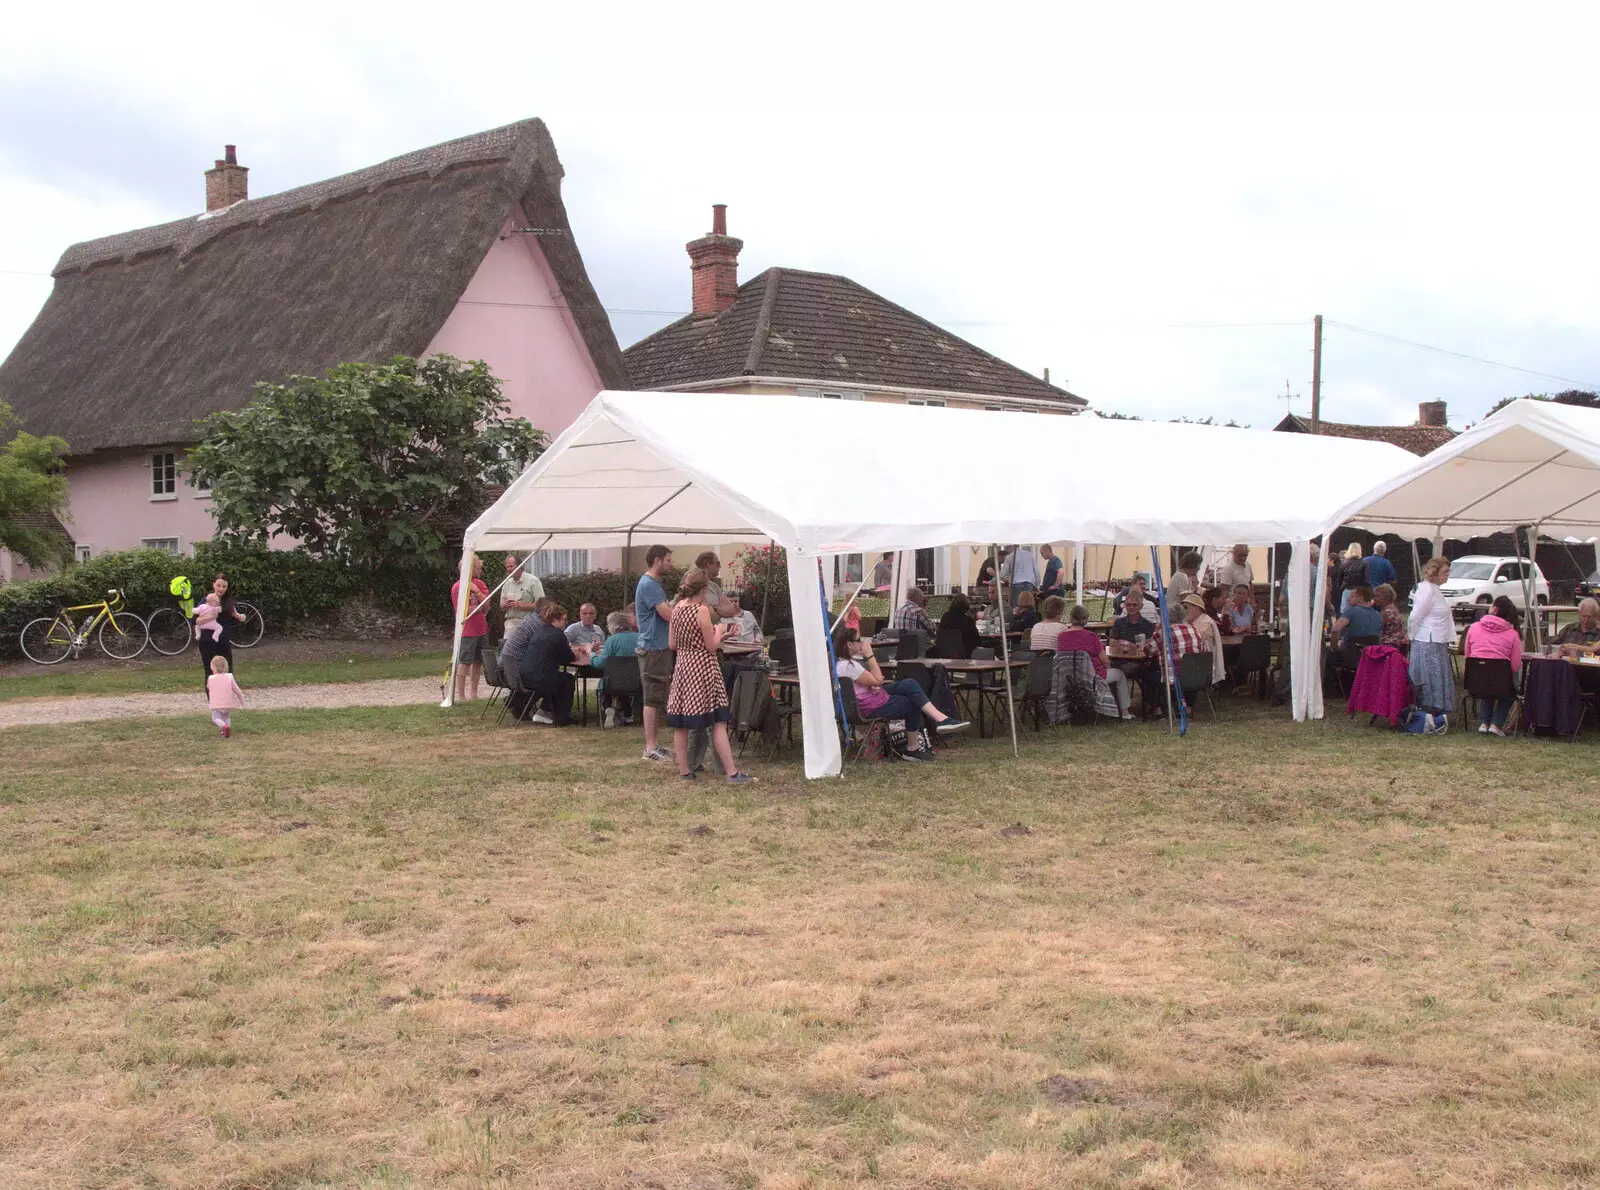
point(396, 947)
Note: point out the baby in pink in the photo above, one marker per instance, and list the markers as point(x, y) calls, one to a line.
point(223, 695)
point(205, 617)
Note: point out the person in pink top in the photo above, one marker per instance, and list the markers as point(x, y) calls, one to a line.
point(223, 694)
point(469, 658)
point(206, 619)
point(1496, 636)
point(1079, 639)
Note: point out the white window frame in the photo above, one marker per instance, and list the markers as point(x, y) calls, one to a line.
point(832, 394)
point(159, 543)
point(560, 563)
point(845, 563)
point(930, 402)
point(83, 552)
point(201, 492)
point(163, 482)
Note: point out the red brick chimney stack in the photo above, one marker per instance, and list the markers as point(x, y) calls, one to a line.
point(714, 266)
point(228, 182)
point(1431, 413)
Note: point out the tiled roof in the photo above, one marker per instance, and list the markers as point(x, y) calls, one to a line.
point(825, 328)
point(1419, 440)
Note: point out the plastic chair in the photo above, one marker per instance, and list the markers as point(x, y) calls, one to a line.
point(913, 643)
point(1255, 657)
point(949, 642)
point(1491, 678)
point(782, 651)
point(621, 675)
point(1194, 677)
point(1041, 672)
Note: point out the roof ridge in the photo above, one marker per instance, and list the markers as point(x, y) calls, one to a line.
point(192, 231)
point(758, 340)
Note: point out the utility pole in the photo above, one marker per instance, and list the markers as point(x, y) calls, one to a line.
point(1316, 374)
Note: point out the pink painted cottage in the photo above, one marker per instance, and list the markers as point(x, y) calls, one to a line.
point(463, 248)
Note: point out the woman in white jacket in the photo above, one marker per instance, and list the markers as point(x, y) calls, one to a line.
point(1433, 631)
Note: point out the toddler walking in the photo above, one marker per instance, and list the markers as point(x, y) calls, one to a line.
point(223, 693)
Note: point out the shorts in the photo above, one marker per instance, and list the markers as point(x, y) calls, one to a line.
point(471, 651)
point(655, 670)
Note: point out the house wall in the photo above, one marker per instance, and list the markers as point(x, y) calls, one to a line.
point(110, 506)
point(513, 317)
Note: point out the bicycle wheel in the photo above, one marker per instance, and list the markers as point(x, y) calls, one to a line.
point(46, 641)
point(170, 633)
point(246, 633)
point(123, 636)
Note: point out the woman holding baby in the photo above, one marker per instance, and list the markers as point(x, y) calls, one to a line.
point(214, 618)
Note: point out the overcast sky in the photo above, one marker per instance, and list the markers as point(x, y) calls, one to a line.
point(1093, 189)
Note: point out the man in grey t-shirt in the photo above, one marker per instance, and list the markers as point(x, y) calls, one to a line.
point(521, 590)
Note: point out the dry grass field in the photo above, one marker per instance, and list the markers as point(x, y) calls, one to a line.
point(396, 948)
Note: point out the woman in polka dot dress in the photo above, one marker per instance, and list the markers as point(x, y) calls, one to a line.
point(698, 698)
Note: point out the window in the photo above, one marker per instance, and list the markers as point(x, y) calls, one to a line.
point(164, 476)
point(84, 552)
point(170, 544)
point(851, 569)
point(201, 489)
point(1510, 572)
point(932, 404)
point(554, 562)
point(831, 394)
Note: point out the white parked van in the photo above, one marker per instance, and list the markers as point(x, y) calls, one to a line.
point(1479, 579)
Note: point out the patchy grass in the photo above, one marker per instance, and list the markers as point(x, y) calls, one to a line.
point(397, 948)
point(154, 674)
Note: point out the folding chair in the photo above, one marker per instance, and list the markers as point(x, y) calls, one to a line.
point(782, 650)
point(1041, 671)
point(913, 643)
point(948, 642)
point(1255, 656)
point(493, 679)
point(1490, 677)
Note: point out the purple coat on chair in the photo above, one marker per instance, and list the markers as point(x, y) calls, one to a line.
point(1381, 687)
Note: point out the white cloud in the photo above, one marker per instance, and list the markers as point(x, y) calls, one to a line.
point(1066, 186)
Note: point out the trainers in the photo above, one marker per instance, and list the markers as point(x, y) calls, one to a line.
point(1483, 729)
point(688, 776)
point(658, 754)
point(611, 717)
point(1496, 729)
point(227, 732)
point(541, 717)
point(741, 779)
point(917, 757)
point(950, 725)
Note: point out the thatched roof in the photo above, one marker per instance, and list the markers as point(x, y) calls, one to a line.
point(826, 329)
point(149, 330)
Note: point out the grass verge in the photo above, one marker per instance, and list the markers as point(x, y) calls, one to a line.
point(166, 675)
point(397, 948)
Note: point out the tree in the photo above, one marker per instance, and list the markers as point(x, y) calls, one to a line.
point(370, 463)
point(1572, 396)
point(33, 489)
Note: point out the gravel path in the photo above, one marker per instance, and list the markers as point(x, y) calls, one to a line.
point(390, 692)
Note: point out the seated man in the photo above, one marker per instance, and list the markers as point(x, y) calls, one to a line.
point(622, 641)
point(1583, 636)
point(879, 699)
point(743, 627)
point(1359, 618)
point(540, 668)
point(1133, 628)
point(1078, 639)
point(910, 617)
point(1241, 612)
point(1152, 610)
point(586, 631)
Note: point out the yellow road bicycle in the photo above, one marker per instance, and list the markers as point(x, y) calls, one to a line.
point(122, 635)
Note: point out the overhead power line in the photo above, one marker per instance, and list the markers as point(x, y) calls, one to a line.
point(1477, 359)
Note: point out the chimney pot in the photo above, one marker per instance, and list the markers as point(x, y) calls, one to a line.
point(227, 182)
point(714, 266)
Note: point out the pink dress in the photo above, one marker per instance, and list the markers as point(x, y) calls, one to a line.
point(206, 619)
point(223, 693)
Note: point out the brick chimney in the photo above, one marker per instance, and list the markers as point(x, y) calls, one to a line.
point(227, 183)
point(714, 266)
point(1431, 413)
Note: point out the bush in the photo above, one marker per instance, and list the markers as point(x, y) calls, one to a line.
point(750, 570)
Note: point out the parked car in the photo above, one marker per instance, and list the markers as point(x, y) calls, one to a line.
point(1588, 588)
point(1479, 579)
